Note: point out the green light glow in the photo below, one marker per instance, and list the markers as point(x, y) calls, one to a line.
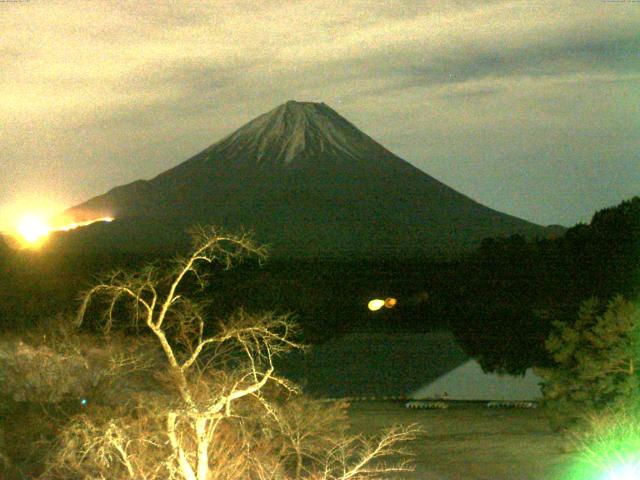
point(624, 470)
point(609, 449)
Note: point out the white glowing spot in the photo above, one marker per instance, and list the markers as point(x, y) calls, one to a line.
point(74, 225)
point(629, 471)
point(32, 229)
point(375, 304)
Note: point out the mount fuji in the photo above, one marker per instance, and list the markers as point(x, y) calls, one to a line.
point(307, 182)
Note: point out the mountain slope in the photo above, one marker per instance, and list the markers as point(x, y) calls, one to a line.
point(308, 182)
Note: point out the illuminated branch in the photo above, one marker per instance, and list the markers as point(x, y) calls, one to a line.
point(215, 391)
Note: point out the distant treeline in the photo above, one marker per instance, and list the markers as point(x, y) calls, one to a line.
point(513, 289)
point(499, 301)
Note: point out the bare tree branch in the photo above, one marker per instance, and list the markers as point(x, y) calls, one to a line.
point(211, 429)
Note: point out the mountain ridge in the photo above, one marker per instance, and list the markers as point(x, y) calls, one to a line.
point(302, 171)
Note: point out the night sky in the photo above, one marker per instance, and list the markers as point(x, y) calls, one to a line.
point(530, 107)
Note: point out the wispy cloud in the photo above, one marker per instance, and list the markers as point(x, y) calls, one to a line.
point(147, 82)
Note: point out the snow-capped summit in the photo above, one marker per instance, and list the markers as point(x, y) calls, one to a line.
point(293, 133)
point(295, 128)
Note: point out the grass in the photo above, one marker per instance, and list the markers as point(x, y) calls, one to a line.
point(472, 442)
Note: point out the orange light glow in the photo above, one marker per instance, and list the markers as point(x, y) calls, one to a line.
point(377, 303)
point(32, 230)
point(390, 302)
point(74, 225)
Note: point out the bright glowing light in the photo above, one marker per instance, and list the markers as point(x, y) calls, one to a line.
point(390, 302)
point(628, 471)
point(74, 225)
point(33, 229)
point(375, 304)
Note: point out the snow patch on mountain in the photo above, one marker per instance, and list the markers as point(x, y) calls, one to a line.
point(284, 133)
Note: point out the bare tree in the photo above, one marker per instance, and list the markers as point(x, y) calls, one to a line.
point(207, 427)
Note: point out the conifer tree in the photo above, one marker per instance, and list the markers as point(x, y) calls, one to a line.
point(596, 360)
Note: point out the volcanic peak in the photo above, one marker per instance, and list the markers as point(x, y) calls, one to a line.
point(293, 130)
point(307, 182)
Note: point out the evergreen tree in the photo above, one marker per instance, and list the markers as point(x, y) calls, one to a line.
point(595, 359)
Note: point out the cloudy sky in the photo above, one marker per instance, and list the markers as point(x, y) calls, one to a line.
point(530, 107)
